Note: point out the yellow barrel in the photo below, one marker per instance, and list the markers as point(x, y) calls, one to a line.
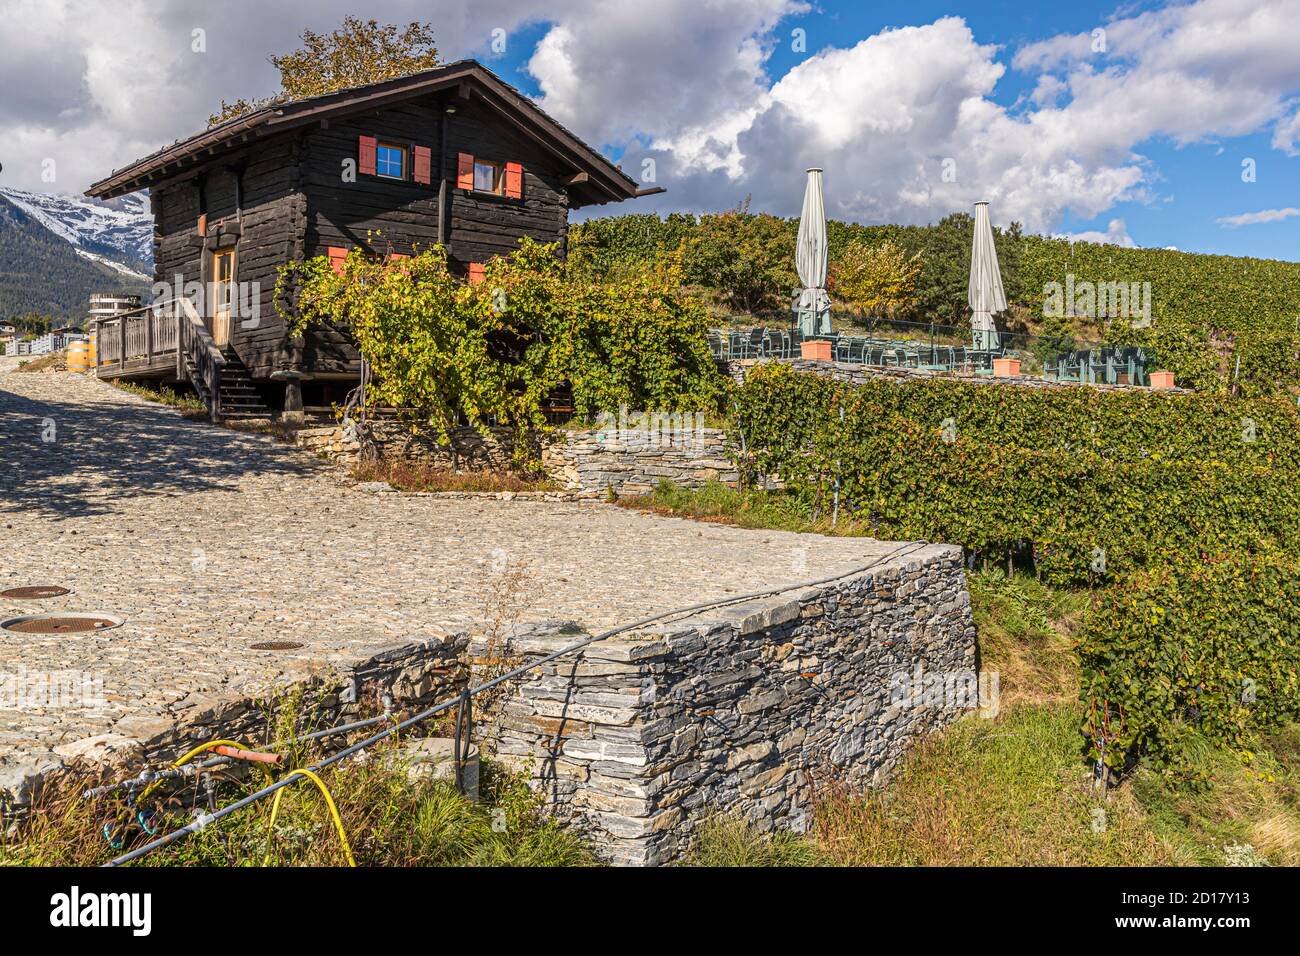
point(79, 359)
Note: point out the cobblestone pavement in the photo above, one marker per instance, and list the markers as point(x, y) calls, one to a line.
point(207, 540)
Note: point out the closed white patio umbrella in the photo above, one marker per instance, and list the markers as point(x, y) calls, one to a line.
point(810, 259)
point(985, 295)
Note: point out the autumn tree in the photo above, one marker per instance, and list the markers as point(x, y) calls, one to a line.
point(879, 279)
point(358, 52)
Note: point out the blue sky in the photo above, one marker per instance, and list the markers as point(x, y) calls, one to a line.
point(1193, 186)
point(914, 109)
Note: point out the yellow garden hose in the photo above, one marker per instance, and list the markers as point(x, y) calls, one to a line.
point(181, 761)
point(329, 801)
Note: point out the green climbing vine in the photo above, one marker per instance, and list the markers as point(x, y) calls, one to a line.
point(495, 352)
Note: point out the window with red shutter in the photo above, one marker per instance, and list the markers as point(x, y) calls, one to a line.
point(476, 273)
point(423, 165)
point(367, 150)
point(337, 255)
point(514, 181)
point(465, 171)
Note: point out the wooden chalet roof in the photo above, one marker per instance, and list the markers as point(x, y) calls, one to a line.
point(596, 179)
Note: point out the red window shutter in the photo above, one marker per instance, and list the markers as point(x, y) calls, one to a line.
point(514, 181)
point(476, 273)
point(203, 225)
point(367, 150)
point(423, 164)
point(337, 256)
point(465, 171)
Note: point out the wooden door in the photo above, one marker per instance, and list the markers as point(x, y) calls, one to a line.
point(223, 294)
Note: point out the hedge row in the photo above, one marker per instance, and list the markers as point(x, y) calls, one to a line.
point(1082, 484)
point(1192, 648)
point(1231, 293)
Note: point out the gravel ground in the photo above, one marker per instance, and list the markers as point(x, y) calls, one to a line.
point(206, 540)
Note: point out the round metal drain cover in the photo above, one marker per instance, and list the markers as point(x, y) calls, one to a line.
point(61, 623)
point(35, 593)
point(276, 646)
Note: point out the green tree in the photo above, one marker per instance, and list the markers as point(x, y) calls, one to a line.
point(748, 259)
point(356, 53)
point(878, 279)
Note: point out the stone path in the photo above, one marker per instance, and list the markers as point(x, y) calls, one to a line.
point(207, 540)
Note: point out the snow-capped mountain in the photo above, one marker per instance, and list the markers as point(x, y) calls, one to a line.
point(55, 252)
point(117, 233)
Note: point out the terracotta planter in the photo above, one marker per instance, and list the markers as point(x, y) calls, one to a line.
point(818, 350)
point(1162, 379)
point(1006, 367)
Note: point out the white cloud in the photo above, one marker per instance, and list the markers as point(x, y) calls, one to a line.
point(1285, 134)
point(1255, 218)
point(1116, 234)
point(890, 117)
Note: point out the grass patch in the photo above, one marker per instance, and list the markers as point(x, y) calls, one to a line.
point(1025, 630)
point(420, 477)
point(726, 842)
point(1248, 815)
point(720, 503)
point(1005, 792)
point(162, 395)
point(389, 820)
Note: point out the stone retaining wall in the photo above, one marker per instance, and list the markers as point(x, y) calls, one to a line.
point(628, 454)
point(638, 739)
point(468, 450)
point(632, 455)
point(413, 674)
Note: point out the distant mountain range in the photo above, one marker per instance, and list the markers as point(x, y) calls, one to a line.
point(56, 250)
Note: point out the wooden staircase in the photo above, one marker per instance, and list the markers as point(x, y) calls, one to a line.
point(171, 337)
point(238, 396)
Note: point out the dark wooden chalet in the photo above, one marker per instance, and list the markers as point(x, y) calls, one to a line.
point(451, 156)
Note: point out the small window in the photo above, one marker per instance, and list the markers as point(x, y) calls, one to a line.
point(487, 177)
point(223, 272)
point(390, 161)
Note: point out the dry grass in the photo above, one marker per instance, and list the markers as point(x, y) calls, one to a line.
point(44, 363)
point(1025, 636)
point(419, 477)
point(1004, 792)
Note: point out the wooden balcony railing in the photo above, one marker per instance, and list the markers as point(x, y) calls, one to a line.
point(165, 338)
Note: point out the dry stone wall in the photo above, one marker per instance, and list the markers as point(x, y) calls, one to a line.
point(410, 674)
point(632, 454)
point(467, 450)
point(629, 454)
point(639, 738)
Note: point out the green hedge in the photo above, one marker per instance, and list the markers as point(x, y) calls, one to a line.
point(1194, 648)
point(1231, 293)
point(1087, 485)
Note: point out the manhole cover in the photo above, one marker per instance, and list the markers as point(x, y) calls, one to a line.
point(276, 646)
point(60, 623)
point(36, 592)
